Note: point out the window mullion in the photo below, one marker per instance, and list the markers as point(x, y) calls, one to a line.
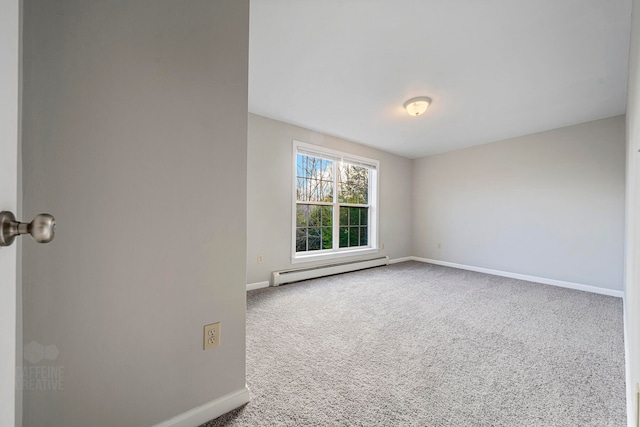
point(314, 203)
point(336, 209)
point(354, 205)
point(369, 198)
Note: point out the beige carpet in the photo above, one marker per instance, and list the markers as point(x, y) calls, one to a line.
point(415, 344)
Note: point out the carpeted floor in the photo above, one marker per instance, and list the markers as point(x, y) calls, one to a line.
point(416, 344)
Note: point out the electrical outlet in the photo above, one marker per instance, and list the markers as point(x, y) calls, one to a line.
point(260, 259)
point(439, 245)
point(211, 335)
point(381, 245)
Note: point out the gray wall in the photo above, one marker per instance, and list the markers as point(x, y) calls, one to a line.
point(270, 194)
point(632, 265)
point(135, 139)
point(549, 205)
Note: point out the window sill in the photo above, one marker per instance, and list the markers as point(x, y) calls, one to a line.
point(333, 255)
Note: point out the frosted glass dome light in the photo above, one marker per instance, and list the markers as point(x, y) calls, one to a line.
point(418, 105)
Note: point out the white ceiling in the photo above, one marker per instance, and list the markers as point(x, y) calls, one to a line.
point(495, 69)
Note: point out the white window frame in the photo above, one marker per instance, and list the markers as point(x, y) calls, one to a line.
point(336, 251)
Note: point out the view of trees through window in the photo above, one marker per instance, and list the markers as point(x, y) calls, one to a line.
point(325, 188)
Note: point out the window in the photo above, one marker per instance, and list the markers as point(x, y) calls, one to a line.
point(334, 203)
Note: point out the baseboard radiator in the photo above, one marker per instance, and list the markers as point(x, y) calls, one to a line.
point(295, 275)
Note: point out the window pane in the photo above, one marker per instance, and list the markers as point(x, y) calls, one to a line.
point(353, 237)
point(299, 189)
point(327, 238)
point(327, 191)
point(302, 215)
point(344, 215)
point(315, 239)
point(314, 229)
point(354, 216)
point(314, 179)
point(301, 239)
point(327, 216)
point(317, 189)
point(353, 184)
point(315, 216)
point(344, 237)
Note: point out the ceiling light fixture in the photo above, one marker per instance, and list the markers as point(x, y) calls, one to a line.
point(417, 106)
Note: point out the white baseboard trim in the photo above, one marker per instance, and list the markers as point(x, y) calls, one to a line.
point(209, 411)
point(397, 260)
point(543, 280)
point(257, 285)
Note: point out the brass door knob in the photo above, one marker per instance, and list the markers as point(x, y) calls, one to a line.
point(42, 228)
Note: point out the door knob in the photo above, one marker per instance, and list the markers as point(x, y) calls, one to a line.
point(42, 228)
